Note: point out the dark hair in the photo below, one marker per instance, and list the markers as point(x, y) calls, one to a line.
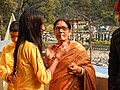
point(14, 26)
point(29, 29)
point(67, 22)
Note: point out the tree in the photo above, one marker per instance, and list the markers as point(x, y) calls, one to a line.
point(6, 8)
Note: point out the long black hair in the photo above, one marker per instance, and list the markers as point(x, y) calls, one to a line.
point(29, 29)
point(14, 27)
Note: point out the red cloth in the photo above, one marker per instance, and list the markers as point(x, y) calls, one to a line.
point(117, 6)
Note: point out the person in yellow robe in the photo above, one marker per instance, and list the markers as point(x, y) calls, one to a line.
point(74, 71)
point(7, 59)
point(29, 70)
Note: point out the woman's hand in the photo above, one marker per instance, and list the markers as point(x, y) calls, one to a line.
point(62, 50)
point(57, 51)
point(74, 68)
point(50, 53)
point(10, 78)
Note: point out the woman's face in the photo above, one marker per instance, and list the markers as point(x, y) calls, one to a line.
point(14, 36)
point(61, 31)
point(42, 28)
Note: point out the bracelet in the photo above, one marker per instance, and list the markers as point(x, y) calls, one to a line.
point(50, 72)
point(7, 78)
point(81, 73)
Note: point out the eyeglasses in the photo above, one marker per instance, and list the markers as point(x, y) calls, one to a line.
point(61, 27)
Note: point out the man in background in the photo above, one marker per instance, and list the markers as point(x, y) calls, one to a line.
point(114, 56)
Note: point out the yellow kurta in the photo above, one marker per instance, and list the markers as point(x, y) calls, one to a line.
point(31, 72)
point(62, 80)
point(7, 62)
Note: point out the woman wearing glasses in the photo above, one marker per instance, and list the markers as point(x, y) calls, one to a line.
point(74, 71)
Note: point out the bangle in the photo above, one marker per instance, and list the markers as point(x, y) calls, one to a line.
point(7, 78)
point(50, 70)
point(81, 73)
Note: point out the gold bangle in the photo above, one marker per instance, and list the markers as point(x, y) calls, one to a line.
point(82, 72)
point(6, 77)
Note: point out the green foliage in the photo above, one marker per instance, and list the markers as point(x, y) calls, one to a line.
point(88, 40)
point(6, 8)
point(49, 28)
point(45, 44)
point(86, 27)
point(99, 11)
point(101, 43)
point(92, 9)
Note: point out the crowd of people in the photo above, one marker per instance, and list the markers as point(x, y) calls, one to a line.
point(65, 66)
